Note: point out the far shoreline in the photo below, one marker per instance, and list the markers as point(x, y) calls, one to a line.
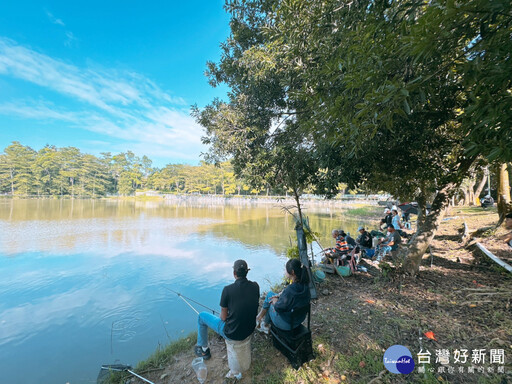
point(346, 200)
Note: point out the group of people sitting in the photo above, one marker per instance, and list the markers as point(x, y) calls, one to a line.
point(394, 233)
point(239, 301)
point(239, 304)
point(342, 252)
point(347, 249)
point(393, 218)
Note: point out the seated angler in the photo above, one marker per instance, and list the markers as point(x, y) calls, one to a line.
point(387, 220)
point(353, 249)
point(405, 219)
point(330, 253)
point(340, 250)
point(239, 305)
point(277, 307)
point(388, 244)
point(364, 240)
point(349, 239)
point(397, 224)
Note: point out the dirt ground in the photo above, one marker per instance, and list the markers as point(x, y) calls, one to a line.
point(460, 296)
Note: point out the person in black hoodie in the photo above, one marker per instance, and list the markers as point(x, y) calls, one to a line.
point(364, 239)
point(387, 220)
point(277, 308)
point(349, 239)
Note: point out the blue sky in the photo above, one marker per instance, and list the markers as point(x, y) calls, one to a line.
point(109, 76)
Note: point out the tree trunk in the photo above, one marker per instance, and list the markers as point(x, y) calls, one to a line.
point(466, 196)
point(93, 186)
point(427, 230)
point(471, 189)
point(303, 256)
point(428, 226)
point(504, 203)
point(479, 189)
point(297, 199)
point(12, 181)
point(422, 203)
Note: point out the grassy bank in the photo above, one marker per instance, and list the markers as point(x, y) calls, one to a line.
point(154, 363)
point(460, 296)
point(364, 212)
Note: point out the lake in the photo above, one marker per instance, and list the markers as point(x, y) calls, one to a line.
point(86, 282)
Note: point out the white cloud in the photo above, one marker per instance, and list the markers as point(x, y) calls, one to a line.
point(70, 38)
point(54, 20)
point(122, 105)
point(37, 111)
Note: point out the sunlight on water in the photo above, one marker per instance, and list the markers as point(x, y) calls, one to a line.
point(84, 282)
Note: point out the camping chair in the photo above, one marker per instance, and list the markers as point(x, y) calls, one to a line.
point(330, 261)
point(353, 261)
point(296, 344)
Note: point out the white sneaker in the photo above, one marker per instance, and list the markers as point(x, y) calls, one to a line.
point(262, 327)
point(233, 375)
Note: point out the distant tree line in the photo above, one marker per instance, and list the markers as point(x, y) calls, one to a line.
point(69, 172)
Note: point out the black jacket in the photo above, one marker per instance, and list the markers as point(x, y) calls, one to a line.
point(365, 239)
point(295, 295)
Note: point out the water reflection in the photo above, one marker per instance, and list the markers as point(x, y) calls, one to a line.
point(84, 282)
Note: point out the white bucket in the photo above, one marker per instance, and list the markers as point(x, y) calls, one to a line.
point(239, 355)
point(375, 242)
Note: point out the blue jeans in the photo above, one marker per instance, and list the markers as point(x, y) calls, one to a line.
point(205, 320)
point(273, 315)
point(383, 249)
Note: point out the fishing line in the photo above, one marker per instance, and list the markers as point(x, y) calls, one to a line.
point(165, 328)
point(185, 298)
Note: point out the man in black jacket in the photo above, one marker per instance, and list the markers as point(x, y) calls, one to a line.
point(364, 239)
point(387, 220)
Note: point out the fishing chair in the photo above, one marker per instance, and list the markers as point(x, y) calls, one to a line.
point(296, 344)
point(352, 260)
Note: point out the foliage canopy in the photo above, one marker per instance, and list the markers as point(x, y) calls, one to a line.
point(401, 96)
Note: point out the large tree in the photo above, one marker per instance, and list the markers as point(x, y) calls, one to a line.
point(374, 102)
point(267, 155)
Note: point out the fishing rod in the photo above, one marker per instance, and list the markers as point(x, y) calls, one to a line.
point(185, 298)
point(122, 368)
point(127, 368)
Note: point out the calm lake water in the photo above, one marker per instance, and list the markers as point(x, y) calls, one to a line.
point(85, 283)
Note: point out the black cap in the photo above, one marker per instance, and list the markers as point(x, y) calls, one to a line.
point(240, 265)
